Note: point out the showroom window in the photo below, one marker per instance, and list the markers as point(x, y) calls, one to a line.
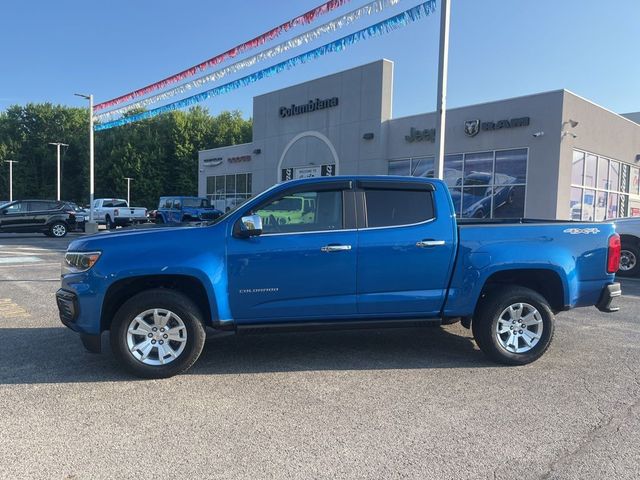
point(600, 187)
point(227, 192)
point(483, 184)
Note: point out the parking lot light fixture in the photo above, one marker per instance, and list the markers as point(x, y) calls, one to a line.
point(11, 162)
point(58, 145)
point(91, 224)
point(128, 179)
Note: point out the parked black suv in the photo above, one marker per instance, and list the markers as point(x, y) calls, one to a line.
point(52, 218)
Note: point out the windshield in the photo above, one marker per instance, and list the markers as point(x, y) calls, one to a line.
point(290, 204)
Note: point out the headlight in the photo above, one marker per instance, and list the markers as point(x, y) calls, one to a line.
point(76, 262)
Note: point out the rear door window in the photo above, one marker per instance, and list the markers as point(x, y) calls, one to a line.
point(43, 206)
point(390, 208)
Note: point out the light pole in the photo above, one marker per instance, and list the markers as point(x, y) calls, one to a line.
point(58, 145)
point(11, 162)
point(92, 225)
point(128, 179)
point(443, 72)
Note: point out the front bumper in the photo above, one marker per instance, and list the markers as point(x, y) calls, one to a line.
point(67, 307)
point(607, 298)
point(68, 310)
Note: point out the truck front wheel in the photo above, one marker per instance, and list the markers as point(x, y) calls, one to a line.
point(157, 334)
point(513, 325)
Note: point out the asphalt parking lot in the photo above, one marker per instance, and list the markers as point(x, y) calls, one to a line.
point(406, 403)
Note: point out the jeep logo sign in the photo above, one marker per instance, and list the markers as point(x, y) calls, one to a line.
point(426, 135)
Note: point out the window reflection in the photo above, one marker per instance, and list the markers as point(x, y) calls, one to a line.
point(482, 184)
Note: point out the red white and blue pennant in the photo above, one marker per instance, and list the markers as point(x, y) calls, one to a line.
point(386, 26)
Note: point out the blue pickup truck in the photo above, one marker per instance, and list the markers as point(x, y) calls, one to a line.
point(369, 252)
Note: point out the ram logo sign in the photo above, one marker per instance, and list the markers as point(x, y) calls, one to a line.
point(471, 127)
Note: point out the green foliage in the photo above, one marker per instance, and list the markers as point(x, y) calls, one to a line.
point(161, 153)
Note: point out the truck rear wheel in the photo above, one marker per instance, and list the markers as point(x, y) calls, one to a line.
point(513, 325)
point(157, 334)
point(110, 223)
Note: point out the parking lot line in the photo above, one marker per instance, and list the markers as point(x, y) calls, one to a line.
point(10, 309)
point(6, 260)
point(24, 265)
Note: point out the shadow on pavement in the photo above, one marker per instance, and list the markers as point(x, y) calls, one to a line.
point(630, 286)
point(55, 355)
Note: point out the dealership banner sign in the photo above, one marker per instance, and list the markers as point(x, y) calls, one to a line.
point(308, 172)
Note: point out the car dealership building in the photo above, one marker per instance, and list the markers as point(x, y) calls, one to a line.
point(546, 155)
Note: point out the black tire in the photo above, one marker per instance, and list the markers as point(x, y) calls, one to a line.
point(159, 219)
point(490, 309)
point(58, 230)
point(110, 223)
point(629, 255)
point(164, 299)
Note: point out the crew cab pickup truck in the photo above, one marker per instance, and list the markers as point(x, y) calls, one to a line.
point(374, 252)
point(115, 212)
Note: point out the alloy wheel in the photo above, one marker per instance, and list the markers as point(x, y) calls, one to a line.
point(156, 337)
point(519, 328)
point(59, 230)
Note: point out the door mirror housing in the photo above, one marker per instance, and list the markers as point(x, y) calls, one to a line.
point(249, 226)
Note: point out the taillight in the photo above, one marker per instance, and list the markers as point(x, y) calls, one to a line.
point(116, 212)
point(613, 254)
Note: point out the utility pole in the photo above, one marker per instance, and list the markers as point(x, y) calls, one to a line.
point(128, 179)
point(443, 72)
point(11, 162)
point(92, 226)
point(58, 145)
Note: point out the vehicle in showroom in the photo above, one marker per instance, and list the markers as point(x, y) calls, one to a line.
point(477, 194)
point(185, 209)
point(629, 230)
point(115, 212)
point(53, 218)
point(375, 252)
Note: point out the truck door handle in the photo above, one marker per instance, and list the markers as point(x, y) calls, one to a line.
point(429, 243)
point(335, 248)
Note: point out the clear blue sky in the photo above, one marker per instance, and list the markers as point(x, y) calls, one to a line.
point(499, 49)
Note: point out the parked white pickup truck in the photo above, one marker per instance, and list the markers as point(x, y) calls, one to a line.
point(114, 212)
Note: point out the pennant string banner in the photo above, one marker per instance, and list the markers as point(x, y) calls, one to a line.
point(393, 23)
point(305, 18)
point(348, 18)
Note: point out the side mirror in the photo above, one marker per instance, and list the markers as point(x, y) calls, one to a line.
point(249, 226)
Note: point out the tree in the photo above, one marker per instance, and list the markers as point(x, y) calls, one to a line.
point(161, 153)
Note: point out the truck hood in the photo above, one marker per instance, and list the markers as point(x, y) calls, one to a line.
point(143, 239)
